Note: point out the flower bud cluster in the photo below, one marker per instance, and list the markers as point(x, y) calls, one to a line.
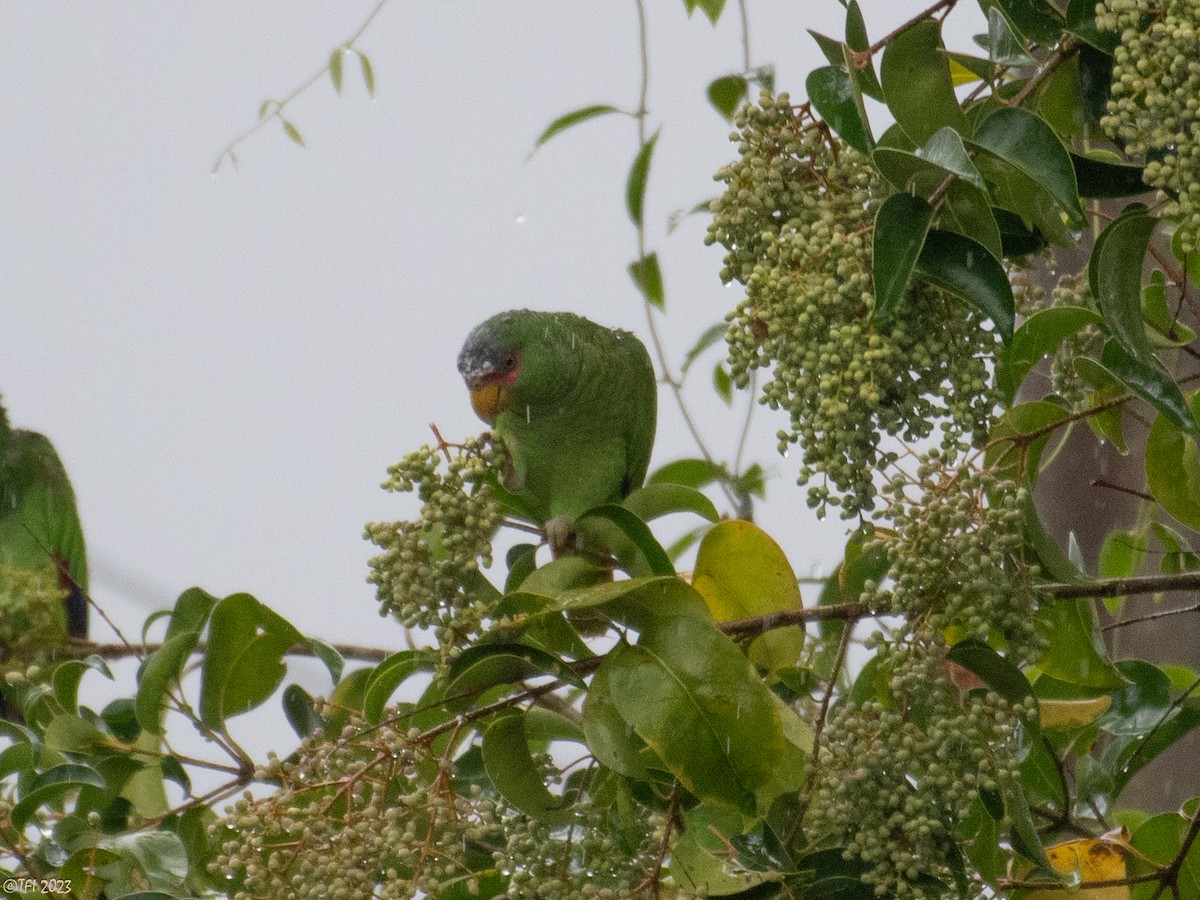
point(796, 219)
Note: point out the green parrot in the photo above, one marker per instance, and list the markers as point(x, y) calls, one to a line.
point(39, 524)
point(574, 404)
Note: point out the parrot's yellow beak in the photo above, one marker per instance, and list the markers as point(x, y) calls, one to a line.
point(489, 400)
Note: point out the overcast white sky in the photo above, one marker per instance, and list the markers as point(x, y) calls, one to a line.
point(228, 364)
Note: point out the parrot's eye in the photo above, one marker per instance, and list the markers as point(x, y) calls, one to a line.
point(510, 362)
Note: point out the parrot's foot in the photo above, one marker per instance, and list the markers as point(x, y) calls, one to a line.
point(561, 536)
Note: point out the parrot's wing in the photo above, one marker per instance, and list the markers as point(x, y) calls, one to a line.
point(642, 412)
point(39, 521)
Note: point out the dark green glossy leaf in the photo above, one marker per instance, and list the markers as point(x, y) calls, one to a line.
point(1017, 239)
point(1115, 276)
point(1039, 336)
point(609, 737)
point(1081, 22)
point(486, 666)
point(638, 602)
point(966, 269)
point(917, 84)
point(1158, 841)
point(900, 229)
point(521, 560)
point(1141, 703)
point(300, 711)
point(67, 676)
point(1026, 142)
point(648, 277)
point(1037, 20)
point(243, 664)
point(516, 775)
point(727, 93)
point(1163, 326)
point(158, 674)
point(639, 174)
point(1101, 178)
point(1132, 754)
point(334, 662)
point(998, 673)
point(1016, 442)
point(1151, 382)
point(857, 40)
point(574, 117)
point(832, 93)
point(52, 786)
point(965, 209)
point(1004, 47)
point(700, 857)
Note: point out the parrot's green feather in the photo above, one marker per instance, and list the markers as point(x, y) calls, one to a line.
point(39, 523)
point(579, 422)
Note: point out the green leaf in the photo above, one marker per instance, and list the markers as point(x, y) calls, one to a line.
point(1037, 20)
point(565, 121)
point(631, 541)
point(383, 681)
point(67, 676)
point(727, 93)
point(1173, 471)
point(966, 269)
point(691, 695)
point(1163, 327)
point(832, 93)
point(300, 711)
point(72, 734)
point(710, 8)
point(335, 68)
point(917, 85)
point(723, 383)
point(635, 187)
point(486, 666)
point(1141, 703)
point(695, 473)
point(1158, 842)
point(857, 40)
point(1026, 142)
point(661, 499)
point(1129, 756)
point(1115, 275)
point(925, 169)
point(52, 786)
point(965, 209)
point(244, 662)
point(158, 674)
point(191, 612)
point(701, 862)
point(998, 673)
point(329, 655)
point(564, 574)
point(1003, 46)
point(900, 229)
point(1081, 22)
point(1151, 382)
point(516, 775)
point(1039, 336)
point(291, 131)
point(368, 73)
point(1101, 178)
point(648, 278)
point(1074, 650)
point(610, 738)
point(710, 336)
point(638, 602)
point(1016, 442)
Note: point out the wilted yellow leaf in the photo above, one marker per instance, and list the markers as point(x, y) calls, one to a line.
point(1091, 859)
point(1072, 713)
point(960, 74)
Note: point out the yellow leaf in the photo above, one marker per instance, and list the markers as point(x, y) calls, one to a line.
point(960, 74)
point(741, 572)
point(1090, 859)
point(1072, 713)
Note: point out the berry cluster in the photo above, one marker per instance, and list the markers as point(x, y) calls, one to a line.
point(955, 555)
point(32, 620)
point(1154, 109)
point(901, 773)
point(796, 220)
point(422, 575)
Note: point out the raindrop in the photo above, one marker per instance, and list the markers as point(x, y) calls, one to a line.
point(970, 259)
point(727, 745)
point(572, 340)
point(527, 415)
point(520, 219)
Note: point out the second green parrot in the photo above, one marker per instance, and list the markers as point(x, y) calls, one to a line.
point(39, 524)
point(574, 404)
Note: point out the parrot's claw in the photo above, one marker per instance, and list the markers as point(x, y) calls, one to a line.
point(561, 536)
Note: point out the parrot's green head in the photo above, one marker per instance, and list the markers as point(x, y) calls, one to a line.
point(509, 361)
